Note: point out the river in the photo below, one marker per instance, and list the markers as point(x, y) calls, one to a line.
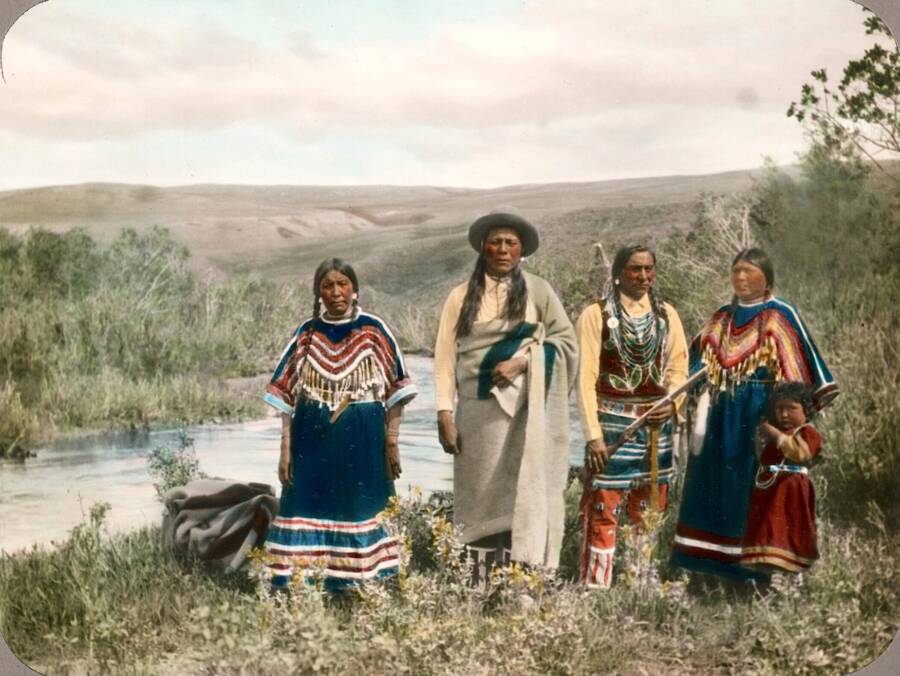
point(42, 499)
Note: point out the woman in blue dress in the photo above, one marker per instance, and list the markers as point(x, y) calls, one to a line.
point(340, 386)
point(748, 345)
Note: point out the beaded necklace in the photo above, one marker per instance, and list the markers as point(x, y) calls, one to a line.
point(637, 340)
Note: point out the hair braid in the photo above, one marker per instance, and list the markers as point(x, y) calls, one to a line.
point(617, 299)
point(517, 298)
point(659, 309)
point(472, 301)
point(317, 311)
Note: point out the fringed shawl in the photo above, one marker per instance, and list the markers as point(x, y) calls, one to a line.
point(770, 335)
point(338, 362)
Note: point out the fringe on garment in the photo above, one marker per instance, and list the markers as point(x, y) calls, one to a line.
point(727, 378)
point(366, 379)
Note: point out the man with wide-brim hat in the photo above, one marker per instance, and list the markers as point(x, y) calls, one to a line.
point(528, 234)
point(505, 360)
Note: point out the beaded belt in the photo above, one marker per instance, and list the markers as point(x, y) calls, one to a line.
point(796, 469)
point(366, 397)
point(625, 408)
point(774, 470)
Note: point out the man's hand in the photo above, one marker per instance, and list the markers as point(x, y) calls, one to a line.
point(662, 415)
point(447, 434)
point(506, 371)
point(596, 455)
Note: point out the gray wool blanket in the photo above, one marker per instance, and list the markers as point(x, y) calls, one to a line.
point(511, 473)
point(218, 520)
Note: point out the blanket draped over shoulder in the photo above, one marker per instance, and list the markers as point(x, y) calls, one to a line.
point(218, 520)
point(526, 494)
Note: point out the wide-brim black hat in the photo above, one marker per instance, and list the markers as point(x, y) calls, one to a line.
point(526, 231)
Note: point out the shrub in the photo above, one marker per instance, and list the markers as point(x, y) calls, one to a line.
point(174, 467)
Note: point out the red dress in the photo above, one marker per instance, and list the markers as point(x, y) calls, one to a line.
point(781, 522)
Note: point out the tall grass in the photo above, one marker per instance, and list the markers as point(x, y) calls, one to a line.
point(125, 334)
point(18, 425)
point(835, 237)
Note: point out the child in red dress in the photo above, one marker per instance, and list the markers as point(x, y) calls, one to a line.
point(781, 523)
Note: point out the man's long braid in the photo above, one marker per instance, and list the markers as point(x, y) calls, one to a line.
point(656, 304)
point(517, 297)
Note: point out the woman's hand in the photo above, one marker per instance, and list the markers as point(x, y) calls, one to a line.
point(596, 455)
point(506, 371)
point(447, 434)
point(392, 457)
point(392, 441)
point(662, 415)
point(285, 467)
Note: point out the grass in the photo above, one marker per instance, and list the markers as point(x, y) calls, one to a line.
point(112, 400)
point(123, 604)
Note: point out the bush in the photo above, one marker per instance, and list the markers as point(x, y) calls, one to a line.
point(174, 467)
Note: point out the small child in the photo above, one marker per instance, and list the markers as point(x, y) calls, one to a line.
point(781, 522)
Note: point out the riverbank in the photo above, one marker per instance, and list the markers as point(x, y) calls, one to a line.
point(123, 604)
point(42, 499)
point(98, 408)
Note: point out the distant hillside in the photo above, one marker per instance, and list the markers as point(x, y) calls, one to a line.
point(396, 236)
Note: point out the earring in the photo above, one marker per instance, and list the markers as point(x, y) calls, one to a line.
point(355, 296)
point(616, 282)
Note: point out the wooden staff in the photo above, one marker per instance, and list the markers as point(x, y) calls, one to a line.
point(653, 433)
point(653, 445)
point(639, 422)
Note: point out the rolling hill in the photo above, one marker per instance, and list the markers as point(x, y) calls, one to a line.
point(397, 237)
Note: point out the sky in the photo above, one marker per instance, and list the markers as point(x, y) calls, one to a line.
point(408, 92)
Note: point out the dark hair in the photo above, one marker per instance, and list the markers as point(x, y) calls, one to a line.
point(516, 299)
point(757, 257)
point(792, 391)
point(326, 266)
point(623, 255)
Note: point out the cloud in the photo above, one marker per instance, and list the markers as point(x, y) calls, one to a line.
point(548, 80)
